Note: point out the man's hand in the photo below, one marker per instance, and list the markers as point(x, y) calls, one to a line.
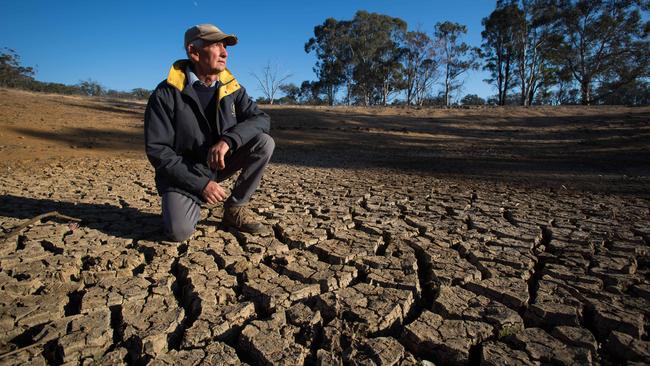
point(217, 154)
point(213, 193)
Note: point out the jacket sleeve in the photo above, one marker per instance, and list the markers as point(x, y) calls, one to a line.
point(159, 142)
point(250, 120)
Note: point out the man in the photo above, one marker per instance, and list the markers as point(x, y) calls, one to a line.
point(200, 128)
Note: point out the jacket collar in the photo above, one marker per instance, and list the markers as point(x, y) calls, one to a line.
point(177, 78)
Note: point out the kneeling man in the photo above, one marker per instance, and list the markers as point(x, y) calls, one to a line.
point(200, 128)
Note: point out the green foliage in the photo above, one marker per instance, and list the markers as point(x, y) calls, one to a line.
point(534, 43)
point(545, 48)
point(56, 88)
point(310, 92)
point(332, 48)
point(376, 56)
point(636, 92)
point(420, 66)
point(604, 45)
point(456, 57)
point(363, 54)
point(536, 51)
point(14, 75)
point(472, 99)
point(498, 48)
point(291, 93)
point(141, 93)
point(91, 88)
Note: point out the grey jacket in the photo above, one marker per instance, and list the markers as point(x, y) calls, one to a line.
point(178, 135)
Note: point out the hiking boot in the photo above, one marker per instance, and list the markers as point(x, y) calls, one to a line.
point(242, 219)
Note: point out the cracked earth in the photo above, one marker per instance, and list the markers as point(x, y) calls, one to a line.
point(361, 264)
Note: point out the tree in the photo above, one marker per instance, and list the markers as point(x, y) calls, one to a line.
point(141, 93)
point(420, 66)
point(636, 93)
point(112, 93)
point(376, 55)
point(310, 92)
point(472, 99)
point(598, 37)
point(331, 48)
point(12, 73)
point(58, 88)
point(498, 48)
point(291, 93)
point(533, 41)
point(90, 87)
point(270, 80)
point(456, 57)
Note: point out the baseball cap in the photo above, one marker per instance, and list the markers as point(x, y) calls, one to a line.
point(210, 33)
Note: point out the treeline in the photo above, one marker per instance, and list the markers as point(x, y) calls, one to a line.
point(536, 52)
point(14, 75)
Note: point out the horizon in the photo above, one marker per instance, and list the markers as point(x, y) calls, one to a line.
point(84, 49)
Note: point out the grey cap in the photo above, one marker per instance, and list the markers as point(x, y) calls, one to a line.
point(210, 33)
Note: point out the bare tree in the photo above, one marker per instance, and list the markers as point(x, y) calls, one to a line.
point(270, 80)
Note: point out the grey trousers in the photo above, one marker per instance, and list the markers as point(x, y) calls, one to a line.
point(181, 213)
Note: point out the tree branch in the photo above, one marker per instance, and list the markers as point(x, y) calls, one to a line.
point(24, 225)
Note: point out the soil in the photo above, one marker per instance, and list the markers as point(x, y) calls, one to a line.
point(394, 236)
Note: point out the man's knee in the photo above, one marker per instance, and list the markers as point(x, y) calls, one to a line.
point(179, 215)
point(265, 144)
point(179, 231)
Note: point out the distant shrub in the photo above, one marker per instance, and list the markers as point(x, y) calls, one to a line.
point(14, 75)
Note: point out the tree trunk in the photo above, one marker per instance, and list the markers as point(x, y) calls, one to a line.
point(446, 93)
point(585, 91)
point(349, 92)
point(447, 86)
point(330, 95)
point(500, 81)
point(409, 93)
point(506, 82)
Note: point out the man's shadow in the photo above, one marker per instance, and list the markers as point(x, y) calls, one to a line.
point(123, 222)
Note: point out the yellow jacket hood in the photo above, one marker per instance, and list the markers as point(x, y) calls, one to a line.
point(176, 78)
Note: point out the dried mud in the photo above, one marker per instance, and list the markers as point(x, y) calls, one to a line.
point(369, 258)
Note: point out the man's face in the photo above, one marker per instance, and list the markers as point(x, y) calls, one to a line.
point(211, 58)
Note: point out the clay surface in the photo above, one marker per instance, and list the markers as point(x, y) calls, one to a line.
point(394, 237)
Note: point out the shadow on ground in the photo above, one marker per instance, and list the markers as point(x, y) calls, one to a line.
point(90, 138)
point(128, 108)
point(481, 144)
point(123, 222)
point(536, 144)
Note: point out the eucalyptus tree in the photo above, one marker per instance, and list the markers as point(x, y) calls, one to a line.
point(534, 42)
point(602, 42)
point(498, 49)
point(456, 57)
point(331, 46)
point(420, 66)
point(376, 55)
point(12, 73)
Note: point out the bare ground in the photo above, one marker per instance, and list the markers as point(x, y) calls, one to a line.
point(477, 236)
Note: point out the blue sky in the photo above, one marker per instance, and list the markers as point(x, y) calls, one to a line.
point(130, 44)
